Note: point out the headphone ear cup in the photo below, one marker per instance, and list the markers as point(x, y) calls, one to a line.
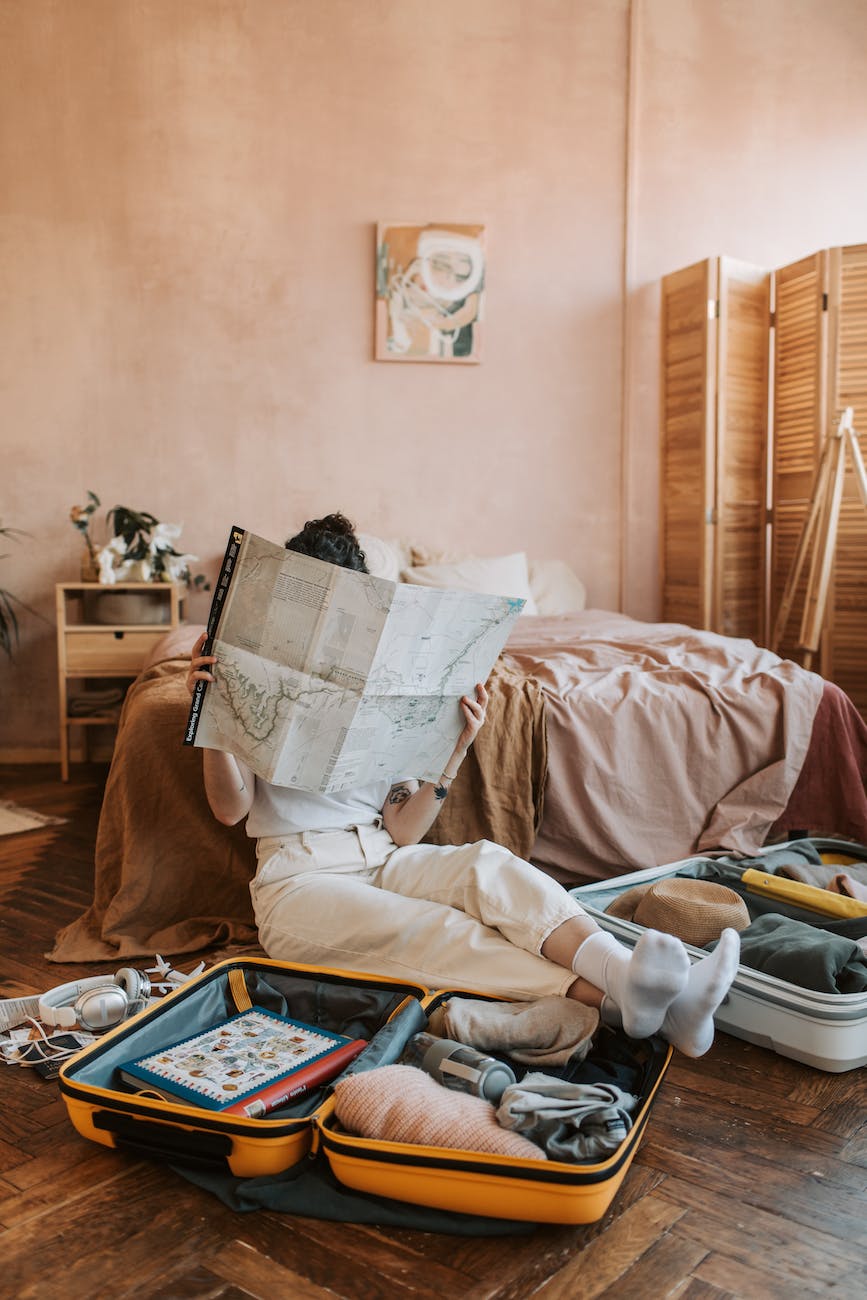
point(102, 1008)
point(135, 985)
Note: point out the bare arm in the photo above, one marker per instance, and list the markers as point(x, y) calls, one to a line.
point(229, 786)
point(411, 809)
point(229, 783)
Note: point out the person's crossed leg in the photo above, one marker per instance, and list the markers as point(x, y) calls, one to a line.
point(652, 989)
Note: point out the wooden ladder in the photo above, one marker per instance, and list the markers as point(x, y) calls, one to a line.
point(820, 526)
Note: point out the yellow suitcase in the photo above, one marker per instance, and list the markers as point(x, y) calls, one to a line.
point(388, 1013)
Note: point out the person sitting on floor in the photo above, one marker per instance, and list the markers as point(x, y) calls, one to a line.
point(343, 880)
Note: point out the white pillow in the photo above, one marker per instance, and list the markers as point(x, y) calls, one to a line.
point(556, 588)
point(499, 575)
point(384, 559)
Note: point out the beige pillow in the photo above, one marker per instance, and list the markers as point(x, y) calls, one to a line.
point(499, 575)
point(556, 588)
point(421, 554)
point(385, 559)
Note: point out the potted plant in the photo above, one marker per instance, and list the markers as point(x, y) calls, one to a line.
point(142, 550)
point(8, 601)
point(139, 549)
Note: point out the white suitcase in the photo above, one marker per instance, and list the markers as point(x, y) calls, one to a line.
point(825, 1030)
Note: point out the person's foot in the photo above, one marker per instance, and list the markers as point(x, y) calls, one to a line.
point(688, 1023)
point(642, 984)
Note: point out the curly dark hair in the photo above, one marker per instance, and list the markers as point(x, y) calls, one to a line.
point(332, 539)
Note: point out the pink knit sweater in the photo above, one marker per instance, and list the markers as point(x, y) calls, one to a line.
point(399, 1103)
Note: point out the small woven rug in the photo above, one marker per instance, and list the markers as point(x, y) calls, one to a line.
point(14, 819)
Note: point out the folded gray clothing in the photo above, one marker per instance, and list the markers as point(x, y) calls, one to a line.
point(544, 1031)
point(569, 1121)
point(822, 874)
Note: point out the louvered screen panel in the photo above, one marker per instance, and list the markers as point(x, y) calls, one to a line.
point(798, 408)
point(687, 394)
point(846, 660)
point(742, 420)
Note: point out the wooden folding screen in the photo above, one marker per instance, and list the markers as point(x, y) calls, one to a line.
point(799, 422)
point(718, 437)
point(845, 644)
point(714, 420)
point(688, 396)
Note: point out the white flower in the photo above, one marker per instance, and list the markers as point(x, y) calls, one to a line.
point(134, 571)
point(160, 563)
point(108, 557)
point(164, 537)
point(177, 567)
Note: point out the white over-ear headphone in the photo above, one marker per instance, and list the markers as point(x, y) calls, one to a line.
point(95, 1004)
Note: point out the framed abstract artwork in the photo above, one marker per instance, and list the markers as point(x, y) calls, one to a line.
point(430, 286)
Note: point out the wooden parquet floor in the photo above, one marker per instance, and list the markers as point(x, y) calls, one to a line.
point(751, 1180)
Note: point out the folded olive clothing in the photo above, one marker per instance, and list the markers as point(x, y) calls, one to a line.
point(804, 955)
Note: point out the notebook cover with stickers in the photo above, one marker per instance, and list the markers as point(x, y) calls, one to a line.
point(247, 1064)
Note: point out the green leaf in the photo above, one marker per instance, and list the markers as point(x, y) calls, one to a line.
point(8, 623)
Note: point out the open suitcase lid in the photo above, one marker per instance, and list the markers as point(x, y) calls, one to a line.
point(825, 1030)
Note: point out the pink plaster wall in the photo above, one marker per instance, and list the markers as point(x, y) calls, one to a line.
point(751, 142)
point(188, 199)
point(190, 193)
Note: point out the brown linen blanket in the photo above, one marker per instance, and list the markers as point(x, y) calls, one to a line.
point(168, 877)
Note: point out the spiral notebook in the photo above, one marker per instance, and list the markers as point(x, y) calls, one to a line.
point(248, 1064)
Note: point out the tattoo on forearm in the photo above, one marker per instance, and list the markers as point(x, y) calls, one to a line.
point(398, 794)
point(440, 792)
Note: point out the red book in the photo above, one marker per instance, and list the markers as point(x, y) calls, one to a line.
point(277, 1094)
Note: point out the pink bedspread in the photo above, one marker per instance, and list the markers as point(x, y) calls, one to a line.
point(662, 740)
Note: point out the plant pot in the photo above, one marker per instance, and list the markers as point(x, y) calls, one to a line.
point(129, 607)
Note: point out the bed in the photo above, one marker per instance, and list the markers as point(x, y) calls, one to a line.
point(610, 745)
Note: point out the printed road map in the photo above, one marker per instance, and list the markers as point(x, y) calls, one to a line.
point(327, 678)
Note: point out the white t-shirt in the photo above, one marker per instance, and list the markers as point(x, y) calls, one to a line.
point(283, 810)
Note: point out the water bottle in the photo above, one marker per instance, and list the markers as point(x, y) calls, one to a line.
point(459, 1067)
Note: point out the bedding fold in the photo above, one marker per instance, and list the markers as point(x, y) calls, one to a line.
point(662, 740)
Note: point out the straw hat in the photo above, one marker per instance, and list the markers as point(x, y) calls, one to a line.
point(696, 911)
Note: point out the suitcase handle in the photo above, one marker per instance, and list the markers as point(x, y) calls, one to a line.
point(165, 1141)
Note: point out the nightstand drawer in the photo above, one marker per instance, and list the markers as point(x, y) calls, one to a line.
point(109, 651)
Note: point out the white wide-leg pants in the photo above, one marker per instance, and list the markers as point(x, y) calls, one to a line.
point(471, 916)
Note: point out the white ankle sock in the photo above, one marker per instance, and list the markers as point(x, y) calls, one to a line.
point(642, 983)
point(688, 1023)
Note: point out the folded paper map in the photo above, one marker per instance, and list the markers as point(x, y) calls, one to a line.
point(327, 678)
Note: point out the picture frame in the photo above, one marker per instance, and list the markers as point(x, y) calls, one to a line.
point(430, 290)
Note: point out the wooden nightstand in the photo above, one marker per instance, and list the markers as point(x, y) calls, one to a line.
point(104, 635)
